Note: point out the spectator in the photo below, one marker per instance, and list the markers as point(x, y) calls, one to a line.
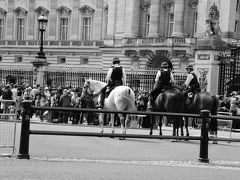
point(65, 101)
point(233, 104)
point(6, 95)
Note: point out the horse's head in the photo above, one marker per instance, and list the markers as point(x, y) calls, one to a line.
point(87, 89)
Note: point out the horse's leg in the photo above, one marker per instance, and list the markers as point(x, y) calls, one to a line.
point(126, 123)
point(112, 123)
point(122, 125)
point(186, 125)
point(101, 120)
point(160, 125)
point(151, 119)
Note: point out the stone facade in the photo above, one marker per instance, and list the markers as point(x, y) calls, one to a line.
point(92, 32)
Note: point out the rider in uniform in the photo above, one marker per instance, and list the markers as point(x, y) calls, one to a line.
point(164, 80)
point(191, 84)
point(116, 76)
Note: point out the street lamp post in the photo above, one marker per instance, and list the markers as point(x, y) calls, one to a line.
point(42, 20)
point(40, 63)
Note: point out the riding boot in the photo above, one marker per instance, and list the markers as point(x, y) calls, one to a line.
point(101, 102)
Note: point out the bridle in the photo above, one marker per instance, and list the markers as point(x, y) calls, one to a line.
point(87, 88)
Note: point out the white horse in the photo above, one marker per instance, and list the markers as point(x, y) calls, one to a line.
point(120, 98)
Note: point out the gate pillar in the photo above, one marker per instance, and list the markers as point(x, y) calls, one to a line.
point(39, 71)
point(206, 63)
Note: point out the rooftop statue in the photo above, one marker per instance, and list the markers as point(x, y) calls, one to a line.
point(213, 22)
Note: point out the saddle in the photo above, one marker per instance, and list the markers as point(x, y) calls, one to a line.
point(191, 95)
point(165, 88)
point(109, 90)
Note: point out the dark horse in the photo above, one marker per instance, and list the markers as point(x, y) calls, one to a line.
point(203, 101)
point(171, 100)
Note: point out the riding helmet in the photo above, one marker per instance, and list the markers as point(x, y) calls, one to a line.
point(190, 67)
point(164, 65)
point(116, 60)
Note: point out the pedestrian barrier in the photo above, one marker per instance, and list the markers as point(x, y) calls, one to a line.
point(7, 127)
point(204, 139)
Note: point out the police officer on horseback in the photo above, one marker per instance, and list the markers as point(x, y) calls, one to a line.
point(191, 84)
point(164, 80)
point(116, 76)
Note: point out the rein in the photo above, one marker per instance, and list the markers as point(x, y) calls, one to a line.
point(93, 95)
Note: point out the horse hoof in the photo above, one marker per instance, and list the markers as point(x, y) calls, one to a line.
point(215, 142)
point(150, 133)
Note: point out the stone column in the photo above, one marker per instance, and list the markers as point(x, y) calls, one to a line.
point(202, 17)
point(206, 51)
point(154, 18)
point(178, 18)
point(41, 67)
point(111, 18)
point(132, 18)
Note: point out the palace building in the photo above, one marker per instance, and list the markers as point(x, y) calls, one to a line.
point(89, 33)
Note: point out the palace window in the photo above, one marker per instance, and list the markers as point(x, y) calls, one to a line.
point(236, 26)
point(145, 19)
point(237, 6)
point(87, 28)
point(2, 29)
point(2, 23)
point(83, 60)
point(105, 21)
point(0, 58)
point(64, 29)
point(61, 60)
point(170, 24)
point(63, 22)
point(147, 24)
point(18, 59)
point(21, 25)
point(86, 22)
point(20, 28)
point(195, 17)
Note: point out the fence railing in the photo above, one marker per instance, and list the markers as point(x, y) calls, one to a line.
point(26, 131)
point(140, 79)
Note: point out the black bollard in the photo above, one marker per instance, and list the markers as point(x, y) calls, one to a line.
point(203, 156)
point(24, 139)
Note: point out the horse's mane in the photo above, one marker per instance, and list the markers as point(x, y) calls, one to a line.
point(95, 82)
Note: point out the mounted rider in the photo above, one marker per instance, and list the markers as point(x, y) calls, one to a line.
point(191, 85)
point(116, 76)
point(164, 80)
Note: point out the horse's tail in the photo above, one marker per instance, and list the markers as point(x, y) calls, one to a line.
point(131, 99)
point(215, 105)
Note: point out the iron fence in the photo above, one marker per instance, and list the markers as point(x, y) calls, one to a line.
point(137, 79)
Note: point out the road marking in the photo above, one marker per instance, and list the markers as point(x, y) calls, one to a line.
point(227, 165)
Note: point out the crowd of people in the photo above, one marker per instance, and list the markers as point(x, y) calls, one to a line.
point(45, 96)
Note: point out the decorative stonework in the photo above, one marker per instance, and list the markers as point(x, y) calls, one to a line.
point(146, 7)
point(2, 12)
point(213, 22)
point(19, 11)
point(168, 4)
point(41, 10)
point(105, 9)
point(63, 10)
point(193, 3)
point(203, 81)
point(86, 10)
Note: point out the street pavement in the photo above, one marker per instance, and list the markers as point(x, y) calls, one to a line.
point(71, 157)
